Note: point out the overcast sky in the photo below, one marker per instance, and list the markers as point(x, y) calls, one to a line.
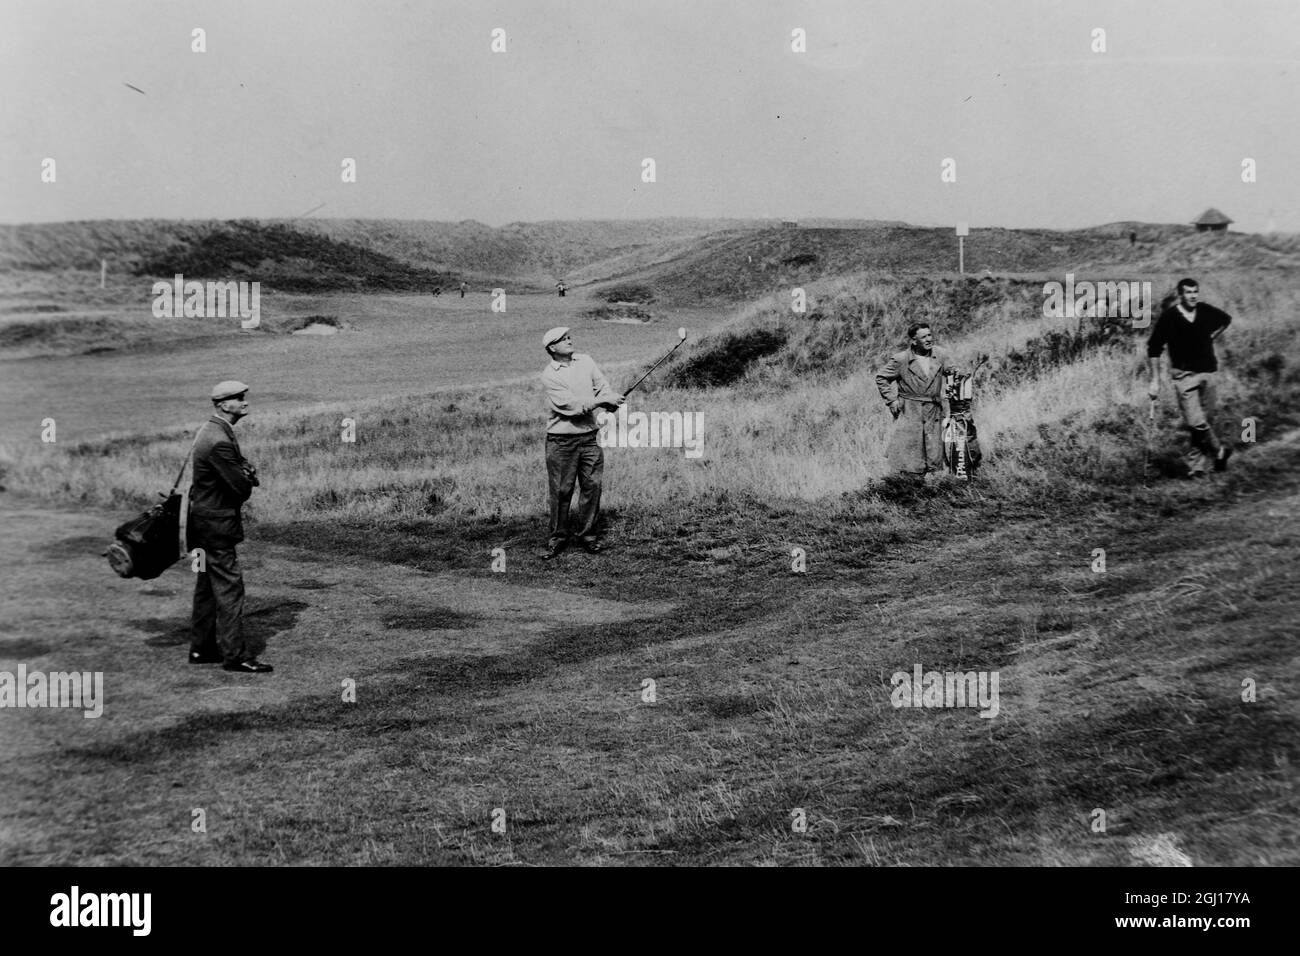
point(1044, 131)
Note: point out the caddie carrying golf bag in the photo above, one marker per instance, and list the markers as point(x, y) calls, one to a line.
point(961, 446)
point(149, 544)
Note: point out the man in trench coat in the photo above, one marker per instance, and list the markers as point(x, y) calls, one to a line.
point(911, 383)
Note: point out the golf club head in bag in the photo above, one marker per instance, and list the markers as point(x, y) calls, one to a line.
point(961, 448)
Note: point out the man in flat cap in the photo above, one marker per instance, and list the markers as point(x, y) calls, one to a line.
point(222, 480)
point(575, 388)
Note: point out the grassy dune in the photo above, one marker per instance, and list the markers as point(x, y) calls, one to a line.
point(541, 252)
point(538, 252)
point(744, 265)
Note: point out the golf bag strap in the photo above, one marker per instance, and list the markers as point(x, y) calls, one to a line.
point(183, 524)
point(181, 474)
point(185, 495)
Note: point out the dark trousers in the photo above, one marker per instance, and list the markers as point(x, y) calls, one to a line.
point(574, 459)
point(217, 622)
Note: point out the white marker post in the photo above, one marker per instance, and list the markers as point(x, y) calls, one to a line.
point(963, 230)
point(103, 271)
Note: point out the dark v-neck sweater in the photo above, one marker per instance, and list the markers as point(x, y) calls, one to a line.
point(1191, 348)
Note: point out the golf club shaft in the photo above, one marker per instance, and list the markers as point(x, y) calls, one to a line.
point(653, 367)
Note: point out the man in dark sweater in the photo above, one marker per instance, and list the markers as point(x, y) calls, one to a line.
point(1189, 329)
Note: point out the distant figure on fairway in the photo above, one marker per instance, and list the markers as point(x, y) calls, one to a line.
point(463, 287)
point(575, 388)
point(560, 288)
point(1132, 237)
point(911, 383)
point(1188, 328)
point(222, 480)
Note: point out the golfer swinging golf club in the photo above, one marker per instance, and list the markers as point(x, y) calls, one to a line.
point(575, 388)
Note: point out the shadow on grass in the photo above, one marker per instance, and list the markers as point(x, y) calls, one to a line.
point(22, 648)
point(440, 684)
point(263, 619)
point(428, 619)
point(80, 546)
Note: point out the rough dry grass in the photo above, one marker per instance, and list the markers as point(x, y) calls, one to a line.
point(806, 422)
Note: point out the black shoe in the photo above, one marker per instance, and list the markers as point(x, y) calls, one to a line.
point(206, 657)
point(592, 547)
point(248, 667)
point(1221, 460)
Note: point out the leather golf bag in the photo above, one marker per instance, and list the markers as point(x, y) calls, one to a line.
point(961, 446)
point(148, 545)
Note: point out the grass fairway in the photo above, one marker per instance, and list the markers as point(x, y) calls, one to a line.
point(126, 371)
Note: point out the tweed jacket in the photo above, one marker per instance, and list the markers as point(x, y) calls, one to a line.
point(221, 482)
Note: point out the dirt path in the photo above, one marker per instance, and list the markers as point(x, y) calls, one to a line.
point(63, 609)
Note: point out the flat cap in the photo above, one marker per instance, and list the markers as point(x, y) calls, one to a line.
point(224, 390)
point(554, 335)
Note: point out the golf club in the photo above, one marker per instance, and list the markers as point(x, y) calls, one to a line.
point(1146, 456)
point(681, 333)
